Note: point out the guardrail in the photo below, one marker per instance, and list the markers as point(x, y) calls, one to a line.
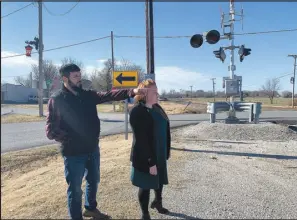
point(253, 108)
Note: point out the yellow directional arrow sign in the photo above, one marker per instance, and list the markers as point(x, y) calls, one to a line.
point(125, 79)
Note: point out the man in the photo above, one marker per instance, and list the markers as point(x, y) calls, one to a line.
point(73, 121)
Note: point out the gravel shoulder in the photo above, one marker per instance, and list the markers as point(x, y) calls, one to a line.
point(252, 177)
point(210, 176)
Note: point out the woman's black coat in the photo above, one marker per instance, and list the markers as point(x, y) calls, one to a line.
point(143, 153)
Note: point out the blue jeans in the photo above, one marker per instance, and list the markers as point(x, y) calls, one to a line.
point(76, 167)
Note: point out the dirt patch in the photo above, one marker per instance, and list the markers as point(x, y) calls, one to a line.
point(35, 186)
point(18, 118)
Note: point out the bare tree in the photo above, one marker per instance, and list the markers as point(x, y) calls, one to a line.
point(50, 71)
point(102, 80)
point(80, 64)
point(163, 93)
point(24, 81)
point(126, 65)
point(286, 94)
point(271, 88)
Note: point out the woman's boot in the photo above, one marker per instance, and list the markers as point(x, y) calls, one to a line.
point(146, 216)
point(157, 204)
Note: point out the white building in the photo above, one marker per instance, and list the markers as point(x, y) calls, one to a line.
point(11, 93)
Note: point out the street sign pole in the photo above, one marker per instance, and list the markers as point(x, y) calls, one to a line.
point(125, 79)
point(126, 119)
point(294, 79)
point(112, 60)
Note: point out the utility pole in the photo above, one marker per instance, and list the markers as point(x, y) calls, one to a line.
point(147, 36)
point(191, 92)
point(112, 60)
point(294, 77)
point(213, 88)
point(41, 77)
point(150, 59)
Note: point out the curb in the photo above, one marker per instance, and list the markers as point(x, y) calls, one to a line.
point(8, 113)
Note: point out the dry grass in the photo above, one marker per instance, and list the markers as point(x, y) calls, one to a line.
point(35, 186)
point(27, 106)
point(176, 108)
point(18, 118)
point(100, 108)
point(265, 101)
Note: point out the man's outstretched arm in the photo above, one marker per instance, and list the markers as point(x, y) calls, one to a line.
point(117, 95)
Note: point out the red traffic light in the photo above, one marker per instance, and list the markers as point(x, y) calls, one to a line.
point(196, 40)
point(28, 50)
point(213, 37)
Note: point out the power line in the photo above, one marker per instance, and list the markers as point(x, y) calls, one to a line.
point(160, 37)
point(284, 76)
point(119, 36)
point(268, 32)
point(17, 10)
point(62, 13)
point(186, 36)
point(279, 77)
point(57, 48)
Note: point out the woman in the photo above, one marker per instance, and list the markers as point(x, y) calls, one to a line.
point(151, 147)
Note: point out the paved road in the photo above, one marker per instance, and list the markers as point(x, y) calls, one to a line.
point(18, 136)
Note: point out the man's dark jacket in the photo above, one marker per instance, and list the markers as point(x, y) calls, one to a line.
point(73, 119)
point(143, 152)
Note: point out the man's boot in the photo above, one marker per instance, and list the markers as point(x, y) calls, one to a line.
point(157, 204)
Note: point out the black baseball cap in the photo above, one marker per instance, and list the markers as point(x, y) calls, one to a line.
point(67, 68)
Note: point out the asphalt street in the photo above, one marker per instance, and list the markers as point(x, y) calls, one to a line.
point(17, 136)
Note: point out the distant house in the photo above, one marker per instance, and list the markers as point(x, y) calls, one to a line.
point(11, 93)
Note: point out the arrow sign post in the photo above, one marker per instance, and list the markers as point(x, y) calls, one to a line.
point(125, 79)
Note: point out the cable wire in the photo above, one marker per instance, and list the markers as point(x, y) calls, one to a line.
point(57, 48)
point(17, 10)
point(284, 76)
point(62, 13)
point(121, 36)
point(268, 32)
point(186, 36)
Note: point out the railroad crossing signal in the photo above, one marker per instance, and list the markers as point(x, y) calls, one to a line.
point(196, 40)
point(243, 52)
point(220, 54)
point(212, 37)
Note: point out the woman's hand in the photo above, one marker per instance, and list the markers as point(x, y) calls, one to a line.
point(153, 170)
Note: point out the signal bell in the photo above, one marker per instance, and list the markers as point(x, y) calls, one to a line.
point(196, 40)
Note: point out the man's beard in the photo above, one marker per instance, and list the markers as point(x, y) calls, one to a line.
point(75, 87)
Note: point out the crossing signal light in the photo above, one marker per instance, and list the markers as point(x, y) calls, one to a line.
point(213, 37)
point(220, 54)
point(243, 52)
point(196, 40)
